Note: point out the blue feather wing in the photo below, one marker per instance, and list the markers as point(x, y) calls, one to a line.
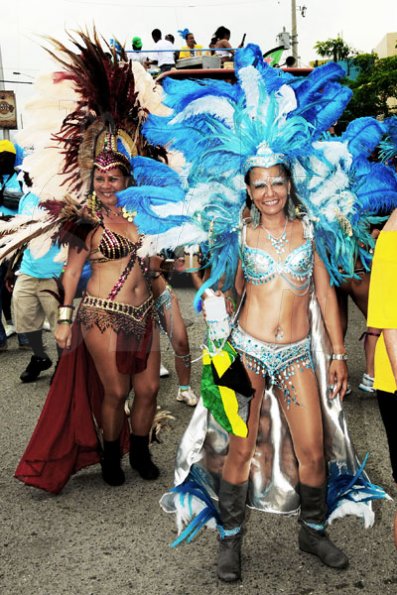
point(363, 136)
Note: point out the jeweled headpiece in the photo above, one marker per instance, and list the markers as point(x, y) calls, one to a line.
point(265, 157)
point(110, 156)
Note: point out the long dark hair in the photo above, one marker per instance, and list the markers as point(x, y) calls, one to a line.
point(222, 32)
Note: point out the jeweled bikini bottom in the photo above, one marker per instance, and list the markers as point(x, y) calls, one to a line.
point(275, 361)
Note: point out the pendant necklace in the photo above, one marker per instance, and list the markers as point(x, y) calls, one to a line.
point(279, 244)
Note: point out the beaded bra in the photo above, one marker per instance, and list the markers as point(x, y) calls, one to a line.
point(114, 246)
point(260, 267)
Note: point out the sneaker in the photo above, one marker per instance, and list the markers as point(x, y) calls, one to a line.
point(187, 395)
point(10, 330)
point(367, 384)
point(164, 373)
point(348, 390)
point(35, 367)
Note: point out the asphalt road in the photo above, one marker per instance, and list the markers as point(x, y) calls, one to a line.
point(96, 540)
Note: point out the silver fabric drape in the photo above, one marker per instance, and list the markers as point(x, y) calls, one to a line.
point(274, 469)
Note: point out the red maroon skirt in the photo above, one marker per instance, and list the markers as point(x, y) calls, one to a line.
point(65, 438)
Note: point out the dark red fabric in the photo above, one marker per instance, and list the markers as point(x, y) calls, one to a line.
point(127, 345)
point(65, 438)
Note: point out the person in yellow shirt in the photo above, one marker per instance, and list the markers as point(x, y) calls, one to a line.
point(191, 49)
point(382, 314)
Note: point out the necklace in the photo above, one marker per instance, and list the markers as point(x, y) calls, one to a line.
point(111, 213)
point(279, 244)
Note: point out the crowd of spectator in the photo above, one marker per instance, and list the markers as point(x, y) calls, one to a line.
point(165, 54)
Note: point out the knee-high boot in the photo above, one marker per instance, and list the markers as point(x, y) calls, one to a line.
point(312, 536)
point(141, 459)
point(232, 500)
point(112, 472)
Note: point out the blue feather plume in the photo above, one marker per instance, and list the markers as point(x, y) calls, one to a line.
point(186, 492)
point(343, 485)
point(363, 136)
point(388, 146)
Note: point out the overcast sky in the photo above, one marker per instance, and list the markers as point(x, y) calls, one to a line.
point(362, 23)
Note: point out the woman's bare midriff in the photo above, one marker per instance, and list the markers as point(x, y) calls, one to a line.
point(274, 314)
point(105, 275)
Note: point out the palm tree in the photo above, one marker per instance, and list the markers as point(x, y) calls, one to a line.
point(336, 49)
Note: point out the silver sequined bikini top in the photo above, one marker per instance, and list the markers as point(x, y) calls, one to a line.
point(296, 269)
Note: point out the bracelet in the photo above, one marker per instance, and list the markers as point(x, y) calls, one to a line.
point(65, 312)
point(339, 356)
point(65, 321)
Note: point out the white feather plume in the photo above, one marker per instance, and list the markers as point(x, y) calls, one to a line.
point(44, 115)
point(219, 107)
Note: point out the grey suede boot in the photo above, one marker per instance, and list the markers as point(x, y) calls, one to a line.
point(312, 536)
point(232, 500)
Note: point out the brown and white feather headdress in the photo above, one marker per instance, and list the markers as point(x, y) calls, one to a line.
point(97, 95)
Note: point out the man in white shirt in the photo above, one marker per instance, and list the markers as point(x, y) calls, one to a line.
point(165, 52)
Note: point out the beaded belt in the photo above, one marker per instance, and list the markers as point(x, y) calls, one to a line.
point(135, 312)
point(120, 317)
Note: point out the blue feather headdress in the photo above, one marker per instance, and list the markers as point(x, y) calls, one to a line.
point(184, 32)
point(268, 117)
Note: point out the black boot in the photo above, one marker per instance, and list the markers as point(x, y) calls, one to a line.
point(232, 500)
point(112, 472)
point(34, 367)
point(141, 459)
point(312, 536)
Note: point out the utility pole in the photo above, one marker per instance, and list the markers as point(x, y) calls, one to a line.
point(6, 132)
point(294, 31)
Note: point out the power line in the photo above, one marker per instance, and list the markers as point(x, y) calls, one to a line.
point(17, 82)
point(200, 5)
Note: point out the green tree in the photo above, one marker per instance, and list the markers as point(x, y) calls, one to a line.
point(374, 90)
point(336, 49)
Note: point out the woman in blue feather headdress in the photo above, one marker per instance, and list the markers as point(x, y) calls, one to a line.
point(264, 136)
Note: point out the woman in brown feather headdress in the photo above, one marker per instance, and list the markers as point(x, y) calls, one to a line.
point(112, 340)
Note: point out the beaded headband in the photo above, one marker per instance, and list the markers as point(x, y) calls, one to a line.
point(114, 151)
point(109, 159)
point(265, 157)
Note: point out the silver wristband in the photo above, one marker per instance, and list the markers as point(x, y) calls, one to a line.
point(339, 356)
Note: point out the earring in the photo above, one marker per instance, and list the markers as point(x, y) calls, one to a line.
point(255, 215)
point(291, 209)
point(93, 205)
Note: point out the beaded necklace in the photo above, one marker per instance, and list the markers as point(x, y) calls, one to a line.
point(279, 244)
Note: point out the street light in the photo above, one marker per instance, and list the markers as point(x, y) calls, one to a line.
point(302, 10)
